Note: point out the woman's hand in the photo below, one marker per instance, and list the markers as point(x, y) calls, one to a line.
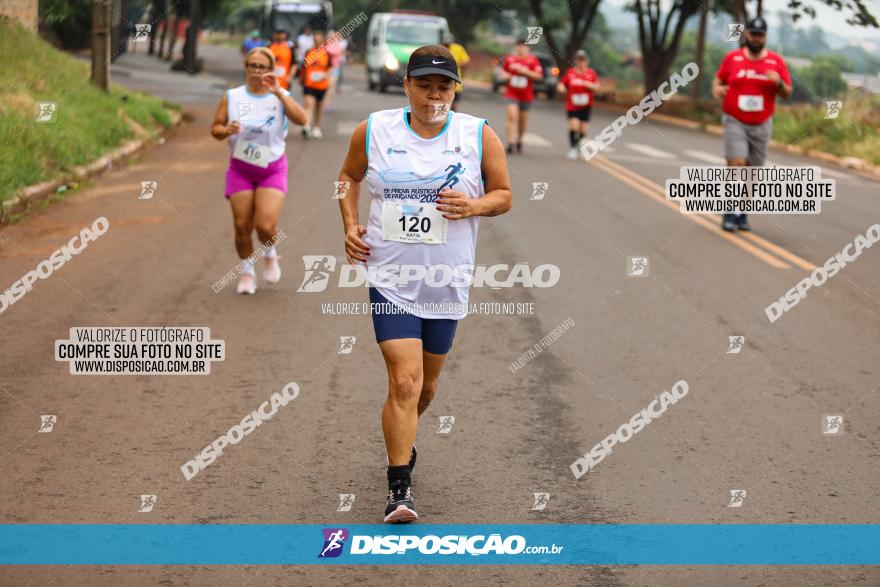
point(355, 248)
point(457, 205)
point(270, 80)
point(232, 128)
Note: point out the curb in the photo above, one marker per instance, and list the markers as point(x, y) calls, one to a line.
point(36, 193)
point(852, 163)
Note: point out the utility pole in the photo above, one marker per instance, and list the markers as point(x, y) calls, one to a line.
point(101, 44)
point(701, 52)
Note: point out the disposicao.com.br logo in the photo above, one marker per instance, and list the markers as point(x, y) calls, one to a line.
point(450, 544)
point(320, 268)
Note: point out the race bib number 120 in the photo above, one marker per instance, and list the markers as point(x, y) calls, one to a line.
point(413, 223)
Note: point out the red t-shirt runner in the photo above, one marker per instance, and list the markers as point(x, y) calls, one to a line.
point(520, 87)
point(751, 96)
point(578, 96)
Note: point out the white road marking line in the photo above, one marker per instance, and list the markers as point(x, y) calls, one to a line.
point(536, 140)
point(837, 174)
point(649, 160)
point(704, 156)
point(649, 151)
point(346, 127)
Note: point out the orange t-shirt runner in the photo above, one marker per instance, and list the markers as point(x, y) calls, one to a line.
point(283, 59)
point(315, 74)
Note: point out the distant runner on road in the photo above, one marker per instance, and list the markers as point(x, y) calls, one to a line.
point(280, 48)
point(406, 156)
point(315, 80)
point(253, 118)
point(579, 84)
point(748, 81)
point(521, 70)
point(460, 54)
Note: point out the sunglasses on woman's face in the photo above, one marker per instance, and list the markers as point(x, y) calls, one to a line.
point(257, 66)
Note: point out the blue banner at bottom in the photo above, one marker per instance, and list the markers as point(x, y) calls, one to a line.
point(475, 544)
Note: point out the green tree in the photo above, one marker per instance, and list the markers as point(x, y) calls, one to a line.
point(660, 35)
point(819, 81)
point(69, 20)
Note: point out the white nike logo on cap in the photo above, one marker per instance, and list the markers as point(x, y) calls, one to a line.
point(437, 62)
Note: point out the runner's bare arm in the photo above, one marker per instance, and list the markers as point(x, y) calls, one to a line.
point(222, 128)
point(782, 89)
point(353, 170)
point(718, 88)
point(535, 74)
point(497, 200)
point(292, 110)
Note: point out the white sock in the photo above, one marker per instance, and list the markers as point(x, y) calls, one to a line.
point(271, 252)
point(247, 266)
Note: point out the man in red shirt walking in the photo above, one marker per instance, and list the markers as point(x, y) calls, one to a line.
point(520, 70)
point(579, 83)
point(748, 81)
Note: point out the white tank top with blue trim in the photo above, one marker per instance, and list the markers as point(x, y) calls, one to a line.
point(404, 175)
point(262, 120)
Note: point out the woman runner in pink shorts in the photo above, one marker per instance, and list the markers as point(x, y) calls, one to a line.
point(253, 117)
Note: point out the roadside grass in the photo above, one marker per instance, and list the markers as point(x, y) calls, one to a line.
point(87, 123)
point(854, 133)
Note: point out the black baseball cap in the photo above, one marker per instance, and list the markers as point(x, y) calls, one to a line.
point(432, 64)
point(757, 25)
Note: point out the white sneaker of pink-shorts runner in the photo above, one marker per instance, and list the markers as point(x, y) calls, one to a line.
point(247, 284)
point(271, 269)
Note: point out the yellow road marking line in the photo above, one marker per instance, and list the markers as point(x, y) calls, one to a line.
point(649, 188)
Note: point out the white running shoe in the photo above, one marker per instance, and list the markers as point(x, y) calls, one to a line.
point(307, 132)
point(316, 132)
point(271, 270)
point(247, 284)
point(572, 154)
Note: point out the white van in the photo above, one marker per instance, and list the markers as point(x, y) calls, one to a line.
point(391, 39)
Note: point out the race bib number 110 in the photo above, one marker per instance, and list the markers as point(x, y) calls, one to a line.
point(413, 223)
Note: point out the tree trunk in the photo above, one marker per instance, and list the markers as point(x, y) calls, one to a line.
point(101, 44)
point(192, 35)
point(739, 11)
point(700, 54)
point(581, 20)
point(151, 17)
point(655, 66)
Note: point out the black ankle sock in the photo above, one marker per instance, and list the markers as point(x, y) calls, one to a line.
point(399, 473)
point(573, 138)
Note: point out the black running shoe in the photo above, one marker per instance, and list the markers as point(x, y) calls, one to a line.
point(510, 149)
point(519, 148)
point(743, 223)
point(412, 459)
point(400, 508)
point(729, 222)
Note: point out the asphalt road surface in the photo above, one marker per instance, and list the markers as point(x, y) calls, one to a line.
point(752, 420)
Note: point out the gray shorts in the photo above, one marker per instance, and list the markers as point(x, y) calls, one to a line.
point(746, 141)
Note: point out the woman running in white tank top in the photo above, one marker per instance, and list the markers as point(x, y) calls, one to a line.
point(431, 173)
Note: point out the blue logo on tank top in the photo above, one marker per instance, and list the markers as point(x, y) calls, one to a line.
point(398, 183)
